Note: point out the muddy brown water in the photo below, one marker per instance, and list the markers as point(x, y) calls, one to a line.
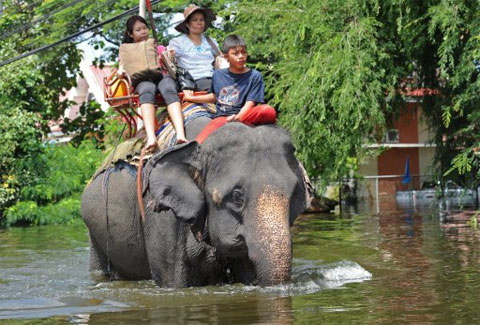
point(357, 268)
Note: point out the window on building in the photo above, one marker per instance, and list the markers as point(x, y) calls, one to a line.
point(392, 136)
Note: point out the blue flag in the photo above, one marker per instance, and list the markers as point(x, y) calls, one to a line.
point(406, 178)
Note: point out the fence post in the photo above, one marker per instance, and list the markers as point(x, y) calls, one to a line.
point(476, 195)
point(377, 203)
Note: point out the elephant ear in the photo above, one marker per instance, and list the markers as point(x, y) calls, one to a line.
point(169, 178)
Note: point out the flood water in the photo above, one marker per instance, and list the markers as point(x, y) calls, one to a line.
point(356, 268)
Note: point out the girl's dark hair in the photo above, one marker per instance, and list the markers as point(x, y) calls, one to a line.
point(129, 27)
point(232, 41)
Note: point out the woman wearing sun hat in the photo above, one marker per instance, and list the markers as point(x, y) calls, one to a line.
point(192, 51)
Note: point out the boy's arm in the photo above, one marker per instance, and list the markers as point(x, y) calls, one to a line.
point(207, 98)
point(248, 105)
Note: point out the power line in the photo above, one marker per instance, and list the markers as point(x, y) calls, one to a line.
point(29, 6)
point(65, 39)
point(65, 25)
point(20, 27)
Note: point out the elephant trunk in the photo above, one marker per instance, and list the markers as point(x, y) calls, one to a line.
point(270, 247)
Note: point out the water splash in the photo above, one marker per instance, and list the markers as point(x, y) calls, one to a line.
point(311, 276)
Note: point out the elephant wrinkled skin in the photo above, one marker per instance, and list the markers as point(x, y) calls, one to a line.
point(239, 192)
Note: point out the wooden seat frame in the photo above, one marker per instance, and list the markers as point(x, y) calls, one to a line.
point(127, 106)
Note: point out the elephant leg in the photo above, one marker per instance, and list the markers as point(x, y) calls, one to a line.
point(99, 261)
point(205, 268)
point(243, 271)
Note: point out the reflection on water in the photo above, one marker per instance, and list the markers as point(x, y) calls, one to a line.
point(252, 310)
point(400, 266)
point(402, 247)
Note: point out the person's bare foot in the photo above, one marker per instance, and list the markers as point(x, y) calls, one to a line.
point(151, 146)
point(181, 140)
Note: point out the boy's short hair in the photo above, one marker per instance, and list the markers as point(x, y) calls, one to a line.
point(232, 41)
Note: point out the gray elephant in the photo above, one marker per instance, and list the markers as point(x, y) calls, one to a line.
point(214, 213)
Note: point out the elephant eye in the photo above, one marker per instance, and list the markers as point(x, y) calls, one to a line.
point(235, 200)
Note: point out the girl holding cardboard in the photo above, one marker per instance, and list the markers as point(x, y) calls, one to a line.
point(140, 57)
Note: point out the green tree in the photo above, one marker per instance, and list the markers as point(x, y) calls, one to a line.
point(20, 136)
point(54, 195)
point(29, 96)
point(336, 70)
point(327, 71)
point(455, 29)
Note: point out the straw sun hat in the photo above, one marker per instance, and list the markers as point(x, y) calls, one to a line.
point(190, 10)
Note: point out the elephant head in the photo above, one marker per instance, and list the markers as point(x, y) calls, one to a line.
point(245, 186)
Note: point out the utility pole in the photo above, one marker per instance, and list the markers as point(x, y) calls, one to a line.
point(141, 8)
point(142, 13)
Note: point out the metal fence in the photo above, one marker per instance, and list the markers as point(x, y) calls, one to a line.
point(390, 192)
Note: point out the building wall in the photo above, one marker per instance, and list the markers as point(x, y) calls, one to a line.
point(393, 162)
point(425, 156)
point(424, 134)
point(413, 136)
point(407, 124)
point(369, 167)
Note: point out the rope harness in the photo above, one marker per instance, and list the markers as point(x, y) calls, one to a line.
point(105, 179)
point(141, 205)
point(105, 195)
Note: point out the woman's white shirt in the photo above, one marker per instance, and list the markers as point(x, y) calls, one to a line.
point(197, 59)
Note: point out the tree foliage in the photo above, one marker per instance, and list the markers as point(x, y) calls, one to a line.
point(336, 70)
point(54, 195)
point(29, 94)
point(455, 26)
point(19, 152)
point(326, 71)
point(34, 84)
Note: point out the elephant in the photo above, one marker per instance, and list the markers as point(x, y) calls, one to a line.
point(219, 212)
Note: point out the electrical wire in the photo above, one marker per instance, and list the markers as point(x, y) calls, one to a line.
point(11, 5)
point(38, 39)
point(43, 6)
point(72, 36)
point(30, 6)
point(23, 27)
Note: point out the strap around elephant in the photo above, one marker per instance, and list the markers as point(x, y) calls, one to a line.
point(141, 205)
